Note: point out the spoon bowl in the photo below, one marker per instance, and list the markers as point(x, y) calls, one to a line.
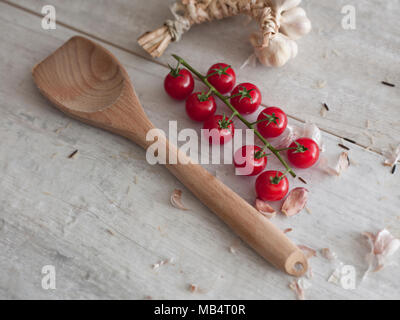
point(87, 82)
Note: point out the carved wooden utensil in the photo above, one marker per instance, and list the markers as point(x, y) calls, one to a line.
point(87, 82)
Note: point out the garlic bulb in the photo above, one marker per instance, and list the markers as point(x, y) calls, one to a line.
point(279, 50)
point(292, 23)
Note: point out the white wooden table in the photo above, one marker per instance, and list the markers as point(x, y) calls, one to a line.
point(104, 218)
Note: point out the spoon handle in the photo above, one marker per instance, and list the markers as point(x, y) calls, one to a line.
point(250, 225)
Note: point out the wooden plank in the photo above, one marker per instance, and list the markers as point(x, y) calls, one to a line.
point(351, 62)
point(103, 231)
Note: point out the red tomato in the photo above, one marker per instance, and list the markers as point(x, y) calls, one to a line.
point(179, 83)
point(246, 98)
point(221, 129)
point(304, 154)
point(272, 186)
point(222, 77)
point(200, 107)
point(250, 160)
point(274, 124)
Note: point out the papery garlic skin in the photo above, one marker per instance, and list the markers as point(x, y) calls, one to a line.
point(283, 5)
point(265, 209)
point(294, 23)
point(293, 132)
point(310, 130)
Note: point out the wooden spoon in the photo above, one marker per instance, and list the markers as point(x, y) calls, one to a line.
point(87, 82)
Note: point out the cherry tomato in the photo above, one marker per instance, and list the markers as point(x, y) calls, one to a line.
point(274, 124)
point(179, 83)
point(250, 160)
point(304, 154)
point(200, 106)
point(223, 78)
point(246, 98)
point(272, 186)
point(221, 129)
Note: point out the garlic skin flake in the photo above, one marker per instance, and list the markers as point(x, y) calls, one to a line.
point(295, 201)
point(392, 157)
point(383, 246)
point(299, 286)
point(286, 139)
point(342, 165)
point(293, 132)
point(309, 252)
point(193, 288)
point(176, 200)
point(311, 130)
point(265, 209)
point(328, 254)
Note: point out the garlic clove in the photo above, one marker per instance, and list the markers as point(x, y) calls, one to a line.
point(279, 50)
point(294, 23)
point(383, 246)
point(295, 202)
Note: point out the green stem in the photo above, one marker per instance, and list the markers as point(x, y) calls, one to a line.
point(259, 121)
point(265, 147)
point(284, 149)
point(232, 116)
point(234, 95)
point(233, 109)
point(211, 74)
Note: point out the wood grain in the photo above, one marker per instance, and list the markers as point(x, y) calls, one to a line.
point(88, 83)
point(352, 63)
point(103, 218)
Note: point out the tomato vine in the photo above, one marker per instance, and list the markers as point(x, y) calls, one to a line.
point(235, 113)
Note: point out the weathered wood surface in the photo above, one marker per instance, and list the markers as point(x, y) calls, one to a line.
point(351, 62)
point(103, 218)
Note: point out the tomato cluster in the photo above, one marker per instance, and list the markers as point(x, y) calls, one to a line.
point(246, 98)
